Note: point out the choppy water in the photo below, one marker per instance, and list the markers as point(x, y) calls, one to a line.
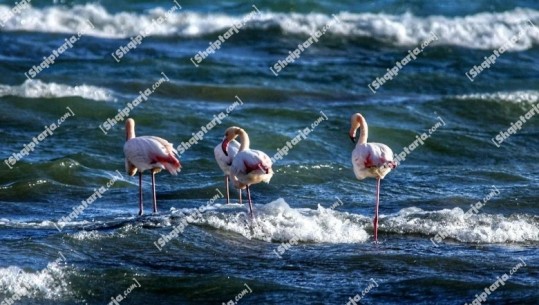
point(311, 241)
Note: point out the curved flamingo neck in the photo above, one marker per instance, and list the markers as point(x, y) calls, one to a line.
point(129, 129)
point(361, 123)
point(244, 139)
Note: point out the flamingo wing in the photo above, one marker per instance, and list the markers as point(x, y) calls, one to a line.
point(149, 152)
point(252, 166)
point(372, 160)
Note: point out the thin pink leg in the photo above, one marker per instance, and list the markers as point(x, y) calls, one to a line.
point(227, 191)
point(250, 202)
point(153, 191)
point(240, 196)
point(375, 222)
point(140, 206)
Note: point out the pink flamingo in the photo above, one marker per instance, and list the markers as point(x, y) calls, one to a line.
point(248, 166)
point(225, 161)
point(148, 152)
point(370, 160)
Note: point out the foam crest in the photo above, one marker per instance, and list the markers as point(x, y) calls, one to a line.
point(39, 89)
point(50, 283)
point(529, 96)
point(91, 235)
point(278, 222)
point(479, 31)
point(126, 229)
point(452, 224)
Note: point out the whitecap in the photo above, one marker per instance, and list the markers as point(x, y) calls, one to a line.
point(485, 30)
point(50, 283)
point(519, 96)
point(453, 224)
point(38, 89)
point(278, 222)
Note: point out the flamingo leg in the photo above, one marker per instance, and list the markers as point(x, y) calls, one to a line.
point(250, 202)
point(240, 196)
point(375, 222)
point(140, 206)
point(227, 191)
point(153, 193)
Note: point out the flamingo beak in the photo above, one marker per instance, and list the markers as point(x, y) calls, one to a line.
point(224, 146)
point(353, 139)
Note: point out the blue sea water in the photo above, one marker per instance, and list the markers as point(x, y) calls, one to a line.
point(459, 219)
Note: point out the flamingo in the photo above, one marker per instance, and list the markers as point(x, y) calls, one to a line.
point(370, 160)
point(148, 152)
point(249, 166)
point(225, 161)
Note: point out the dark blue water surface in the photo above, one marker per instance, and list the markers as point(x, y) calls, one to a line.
point(459, 219)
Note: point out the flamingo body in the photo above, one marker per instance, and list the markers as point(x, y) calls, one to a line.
point(149, 152)
point(371, 160)
point(251, 167)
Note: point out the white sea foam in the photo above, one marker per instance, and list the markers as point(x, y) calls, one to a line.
point(530, 96)
point(39, 89)
point(478, 31)
point(36, 224)
point(91, 235)
point(122, 232)
point(49, 283)
point(478, 228)
point(277, 221)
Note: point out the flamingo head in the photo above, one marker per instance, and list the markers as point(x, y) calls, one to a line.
point(230, 134)
point(264, 168)
point(391, 164)
point(224, 146)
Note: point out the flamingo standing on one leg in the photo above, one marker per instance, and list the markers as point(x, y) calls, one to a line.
point(249, 166)
point(370, 160)
point(225, 161)
point(148, 152)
